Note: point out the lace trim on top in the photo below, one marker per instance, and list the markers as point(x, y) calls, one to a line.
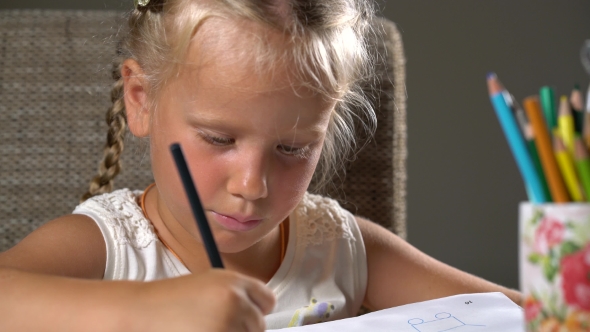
point(119, 210)
point(320, 219)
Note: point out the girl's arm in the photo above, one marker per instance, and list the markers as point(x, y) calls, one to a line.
point(216, 300)
point(398, 273)
point(45, 284)
point(69, 246)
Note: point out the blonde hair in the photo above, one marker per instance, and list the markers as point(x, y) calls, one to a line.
point(327, 43)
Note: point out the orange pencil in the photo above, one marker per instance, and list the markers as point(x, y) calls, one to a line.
point(544, 145)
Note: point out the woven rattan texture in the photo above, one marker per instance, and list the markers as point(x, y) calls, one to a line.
point(55, 85)
point(54, 91)
point(375, 183)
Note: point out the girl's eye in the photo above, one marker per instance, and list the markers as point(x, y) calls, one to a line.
point(293, 151)
point(284, 149)
point(215, 140)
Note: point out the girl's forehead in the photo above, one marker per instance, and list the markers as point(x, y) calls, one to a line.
point(233, 51)
point(221, 78)
point(217, 97)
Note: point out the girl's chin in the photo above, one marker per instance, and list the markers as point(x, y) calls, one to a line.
point(234, 243)
point(232, 248)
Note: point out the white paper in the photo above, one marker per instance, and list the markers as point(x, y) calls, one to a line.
point(483, 312)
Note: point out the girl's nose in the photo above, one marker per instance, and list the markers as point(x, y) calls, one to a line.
point(249, 178)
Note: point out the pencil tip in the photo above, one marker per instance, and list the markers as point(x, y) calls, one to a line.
point(494, 85)
point(564, 106)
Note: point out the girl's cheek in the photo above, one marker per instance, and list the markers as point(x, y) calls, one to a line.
point(296, 178)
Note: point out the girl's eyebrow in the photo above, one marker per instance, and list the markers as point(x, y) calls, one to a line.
point(208, 120)
point(311, 133)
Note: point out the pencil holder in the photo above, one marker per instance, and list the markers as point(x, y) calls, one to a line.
point(554, 265)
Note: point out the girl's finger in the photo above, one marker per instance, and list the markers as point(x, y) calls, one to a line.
point(253, 317)
point(261, 296)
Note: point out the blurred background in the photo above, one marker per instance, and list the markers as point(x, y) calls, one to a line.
point(464, 187)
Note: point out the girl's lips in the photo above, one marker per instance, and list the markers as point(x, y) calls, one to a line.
point(232, 224)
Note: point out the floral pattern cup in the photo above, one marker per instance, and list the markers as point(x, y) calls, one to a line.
point(555, 266)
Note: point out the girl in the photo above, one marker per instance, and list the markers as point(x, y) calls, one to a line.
point(262, 96)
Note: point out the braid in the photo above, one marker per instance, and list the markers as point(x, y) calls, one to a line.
point(117, 122)
point(116, 118)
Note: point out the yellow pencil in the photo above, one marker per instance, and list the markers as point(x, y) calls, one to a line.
point(568, 170)
point(565, 122)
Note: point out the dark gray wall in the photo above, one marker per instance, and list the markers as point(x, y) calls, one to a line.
point(67, 4)
point(464, 186)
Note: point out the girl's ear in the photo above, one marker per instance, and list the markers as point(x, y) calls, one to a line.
point(135, 96)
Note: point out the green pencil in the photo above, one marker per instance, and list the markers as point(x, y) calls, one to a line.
point(583, 166)
point(547, 98)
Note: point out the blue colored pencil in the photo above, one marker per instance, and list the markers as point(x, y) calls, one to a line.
point(197, 208)
point(516, 140)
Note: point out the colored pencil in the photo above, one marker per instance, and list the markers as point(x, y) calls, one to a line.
point(530, 140)
point(544, 146)
point(515, 140)
point(582, 161)
point(577, 105)
point(529, 137)
point(519, 114)
point(197, 208)
point(547, 98)
point(566, 165)
point(565, 122)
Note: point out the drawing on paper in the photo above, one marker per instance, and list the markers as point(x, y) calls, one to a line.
point(444, 322)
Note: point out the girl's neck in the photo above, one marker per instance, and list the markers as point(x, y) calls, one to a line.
point(260, 261)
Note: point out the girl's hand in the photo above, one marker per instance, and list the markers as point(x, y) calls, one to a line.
point(55, 273)
point(216, 300)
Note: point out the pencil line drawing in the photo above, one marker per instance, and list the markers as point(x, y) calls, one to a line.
point(444, 322)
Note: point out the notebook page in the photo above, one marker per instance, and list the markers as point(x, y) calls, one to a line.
point(483, 312)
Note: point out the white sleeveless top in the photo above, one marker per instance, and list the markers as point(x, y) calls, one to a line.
point(322, 277)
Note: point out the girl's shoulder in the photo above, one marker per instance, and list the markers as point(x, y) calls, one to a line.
point(116, 202)
point(320, 219)
point(119, 213)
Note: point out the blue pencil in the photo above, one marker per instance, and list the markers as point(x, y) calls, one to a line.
point(196, 206)
point(516, 141)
